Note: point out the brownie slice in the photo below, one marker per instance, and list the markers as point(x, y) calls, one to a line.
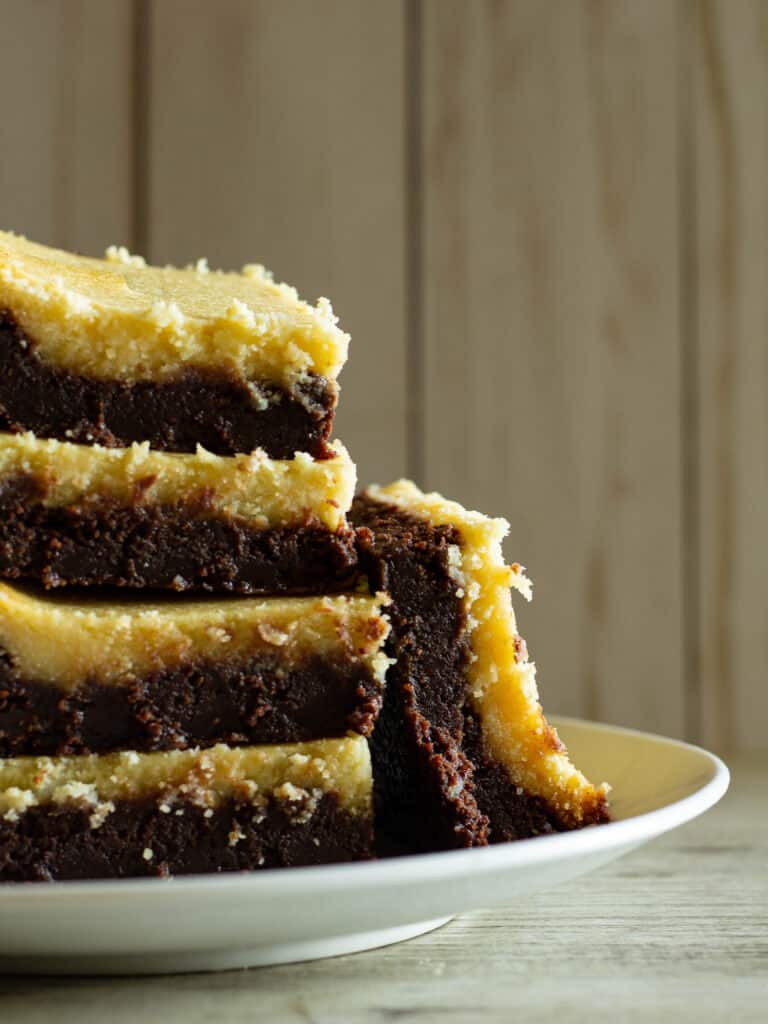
point(84, 515)
point(462, 754)
point(114, 352)
point(223, 809)
point(80, 675)
point(207, 406)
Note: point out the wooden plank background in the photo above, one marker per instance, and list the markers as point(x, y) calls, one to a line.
point(66, 122)
point(281, 143)
point(731, 160)
point(545, 226)
point(552, 323)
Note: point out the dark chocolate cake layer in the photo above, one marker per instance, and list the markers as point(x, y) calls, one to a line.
point(165, 547)
point(138, 838)
point(511, 814)
point(223, 414)
point(435, 785)
point(193, 705)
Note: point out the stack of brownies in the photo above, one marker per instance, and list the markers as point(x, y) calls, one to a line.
point(213, 659)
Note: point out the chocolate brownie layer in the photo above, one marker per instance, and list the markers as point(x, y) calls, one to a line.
point(195, 704)
point(207, 407)
point(137, 838)
point(179, 547)
point(511, 812)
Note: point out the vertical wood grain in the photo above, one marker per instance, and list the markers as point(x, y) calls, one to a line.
point(276, 136)
point(65, 130)
point(552, 320)
point(731, 145)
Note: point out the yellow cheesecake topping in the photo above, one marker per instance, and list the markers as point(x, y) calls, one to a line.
point(66, 642)
point(293, 773)
point(265, 492)
point(119, 319)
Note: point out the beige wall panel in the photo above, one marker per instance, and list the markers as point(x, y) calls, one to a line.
point(552, 327)
point(731, 93)
point(276, 136)
point(66, 125)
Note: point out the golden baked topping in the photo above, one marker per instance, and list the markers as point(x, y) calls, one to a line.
point(119, 319)
point(203, 777)
point(253, 487)
point(66, 642)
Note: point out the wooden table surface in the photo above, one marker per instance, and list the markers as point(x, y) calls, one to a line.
point(677, 931)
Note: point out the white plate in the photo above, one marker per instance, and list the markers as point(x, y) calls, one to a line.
point(205, 922)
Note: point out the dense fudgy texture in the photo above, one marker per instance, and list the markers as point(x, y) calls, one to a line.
point(57, 842)
point(511, 814)
point(436, 787)
point(163, 547)
point(193, 705)
point(208, 408)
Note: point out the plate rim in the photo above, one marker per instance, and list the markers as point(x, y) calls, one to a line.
point(439, 866)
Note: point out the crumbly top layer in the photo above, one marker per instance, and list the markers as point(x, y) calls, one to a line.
point(290, 772)
point(120, 319)
point(502, 681)
point(66, 642)
point(265, 492)
point(478, 531)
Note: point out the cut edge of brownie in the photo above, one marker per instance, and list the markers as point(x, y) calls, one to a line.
point(439, 780)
